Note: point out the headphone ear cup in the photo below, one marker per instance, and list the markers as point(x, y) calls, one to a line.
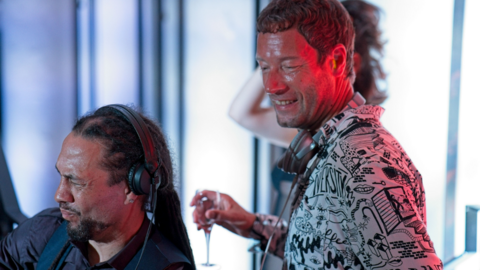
point(131, 173)
point(298, 154)
point(139, 179)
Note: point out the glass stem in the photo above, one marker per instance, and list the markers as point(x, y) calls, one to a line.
point(207, 239)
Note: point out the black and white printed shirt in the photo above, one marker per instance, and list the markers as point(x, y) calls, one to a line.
point(362, 207)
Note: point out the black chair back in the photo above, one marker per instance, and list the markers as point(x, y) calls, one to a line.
point(10, 212)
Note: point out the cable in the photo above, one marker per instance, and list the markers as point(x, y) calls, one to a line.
point(278, 220)
point(306, 175)
point(150, 225)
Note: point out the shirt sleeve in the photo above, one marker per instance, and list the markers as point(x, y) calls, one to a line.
point(263, 228)
point(22, 248)
point(12, 247)
point(10, 252)
point(389, 216)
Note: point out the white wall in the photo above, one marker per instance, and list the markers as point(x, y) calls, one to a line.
point(418, 56)
point(468, 175)
point(116, 52)
point(38, 94)
point(219, 57)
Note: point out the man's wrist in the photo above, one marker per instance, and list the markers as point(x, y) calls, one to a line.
point(257, 228)
point(250, 220)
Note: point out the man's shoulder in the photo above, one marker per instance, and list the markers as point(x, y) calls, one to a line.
point(160, 253)
point(26, 243)
point(360, 140)
point(53, 213)
point(45, 220)
point(361, 129)
point(43, 225)
point(47, 217)
point(167, 248)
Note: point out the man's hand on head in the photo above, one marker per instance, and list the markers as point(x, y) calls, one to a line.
point(230, 215)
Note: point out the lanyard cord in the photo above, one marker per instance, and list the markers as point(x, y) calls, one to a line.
point(294, 182)
point(278, 220)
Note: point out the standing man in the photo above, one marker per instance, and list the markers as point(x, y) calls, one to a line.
point(359, 202)
point(109, 164)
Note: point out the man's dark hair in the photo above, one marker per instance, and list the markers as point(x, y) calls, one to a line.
point(323, 24)
point(123, 150)
point(369, 46)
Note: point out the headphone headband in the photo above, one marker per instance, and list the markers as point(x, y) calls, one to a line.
point(143, 177)
point(151, 159)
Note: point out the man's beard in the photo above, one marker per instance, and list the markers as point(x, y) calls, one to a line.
point(85, 229)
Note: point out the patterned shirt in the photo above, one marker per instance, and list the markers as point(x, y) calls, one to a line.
point(361, 207)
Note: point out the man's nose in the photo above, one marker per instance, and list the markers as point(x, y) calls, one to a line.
point(274, 82)
point(63, 193)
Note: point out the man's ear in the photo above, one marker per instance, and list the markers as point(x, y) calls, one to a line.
point(338, 60)
point(130, 197)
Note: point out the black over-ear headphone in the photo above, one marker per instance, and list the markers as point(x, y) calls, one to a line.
point(302, 148)
point(305, 145)
point(141, 175)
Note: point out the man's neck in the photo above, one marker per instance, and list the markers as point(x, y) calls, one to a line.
point(114, 239)
point(344, 90)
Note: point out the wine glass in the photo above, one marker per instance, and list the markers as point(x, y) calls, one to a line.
point(203, 205)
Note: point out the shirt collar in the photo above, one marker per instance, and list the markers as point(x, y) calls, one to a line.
point(356, 101)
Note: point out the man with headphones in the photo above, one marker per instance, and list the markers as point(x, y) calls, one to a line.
point(359, 201)
point(114, 167)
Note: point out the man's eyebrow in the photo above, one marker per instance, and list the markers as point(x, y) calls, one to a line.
point(281, 59)
point(289, 58)
point(65, 175)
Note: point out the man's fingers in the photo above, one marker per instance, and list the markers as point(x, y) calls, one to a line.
point(221, 215)
point(196, 198)
point(195, 217)
point(211, 195)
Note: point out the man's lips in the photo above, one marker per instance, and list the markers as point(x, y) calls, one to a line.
point(284, 102)
point(67, 214)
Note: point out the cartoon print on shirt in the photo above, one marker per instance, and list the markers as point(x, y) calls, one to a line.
point(362, 206)
point(402, 178)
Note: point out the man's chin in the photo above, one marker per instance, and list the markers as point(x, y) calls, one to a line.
point(287, 123)
point(73, 225)
point(283, 121)
point(85, 229)
point(80, 231)
point(297, 123)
